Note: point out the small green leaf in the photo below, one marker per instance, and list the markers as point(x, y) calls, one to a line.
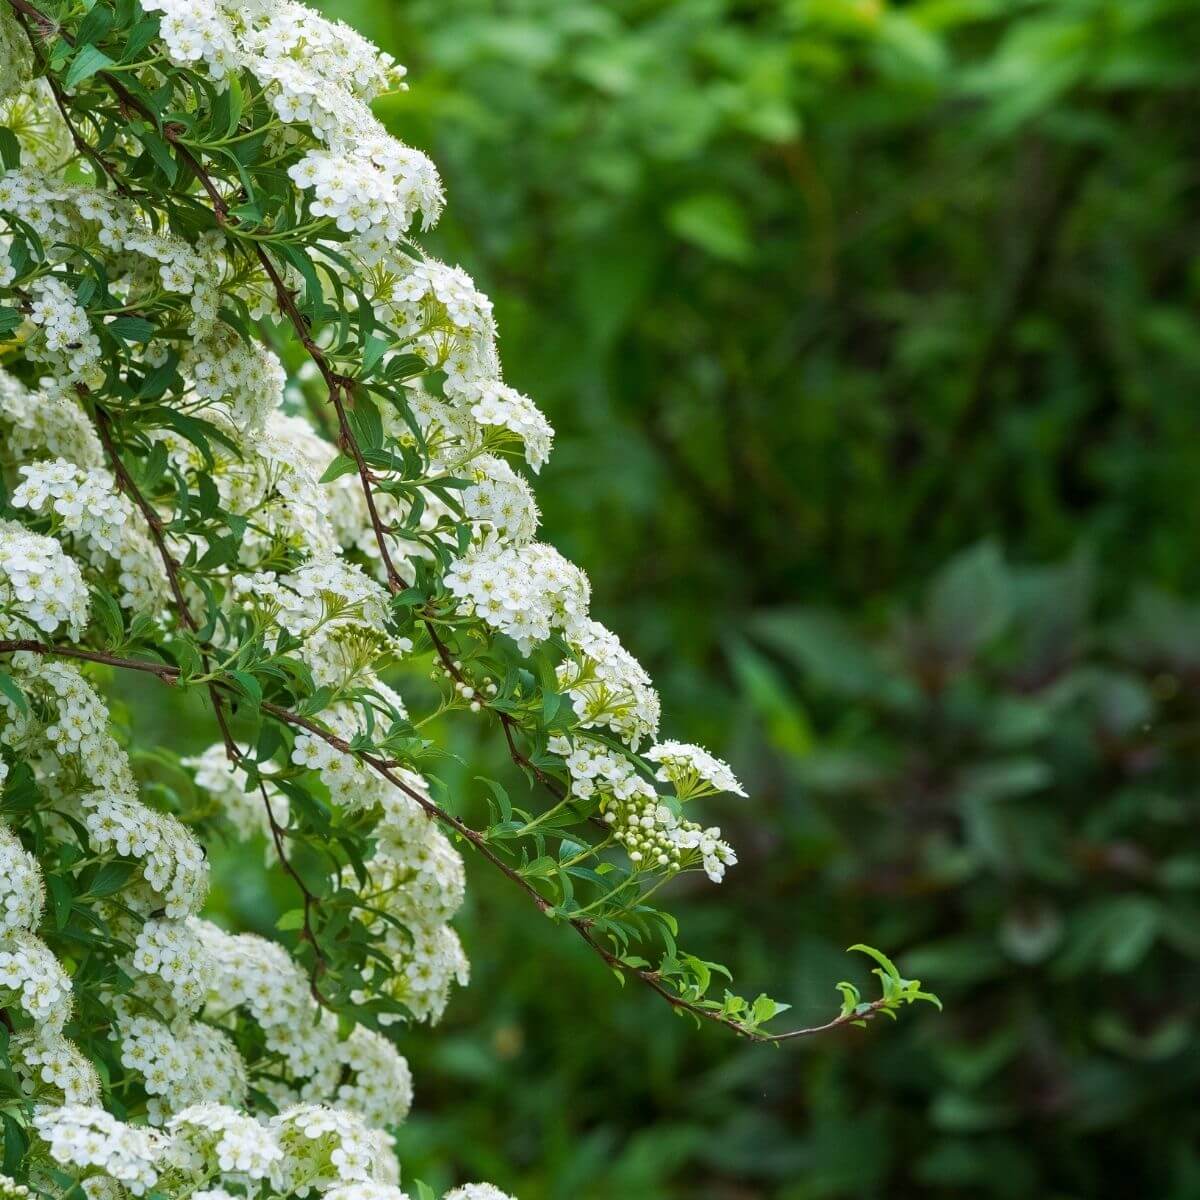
point(86, 63)
point(881, 958)
point(130, 329)
point(342, 465)
point(9, 687)
point(10, 149)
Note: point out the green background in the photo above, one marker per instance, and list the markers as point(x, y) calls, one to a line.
point(869, 333)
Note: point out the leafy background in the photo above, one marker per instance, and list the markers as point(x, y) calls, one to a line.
point(868, 330)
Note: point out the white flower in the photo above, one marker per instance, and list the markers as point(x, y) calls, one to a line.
point(85, 501)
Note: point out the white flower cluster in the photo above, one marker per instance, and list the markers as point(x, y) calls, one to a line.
point(376, 194)
point(306, 1149)
point(501, 501)
point(22, 893)
point(448, 319)
point(212, 1134)
point(527, 592)
point(693, 771)
point(52, 1069)
point(244, 378)
point(40, 587)
point(322, 1147)
point(172, 951)
point(172, 861)
point(651, 830)
point(181, 1062)
point(48, 431)
point(607, 685)
point(65, 331)
point(31, 977)
point(79, 1136)
point(84, 499)
point(337, 610)
point(47, 423)
point(495, 404)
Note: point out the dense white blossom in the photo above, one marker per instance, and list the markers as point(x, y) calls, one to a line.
point(83, 501)
point(82, 1136)
point(33, 979)
point(40, 587)
point(527, 592)
point(607, 685)
point(53, 1069)
point(22, 893)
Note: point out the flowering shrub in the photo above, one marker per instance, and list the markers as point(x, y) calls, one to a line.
point(194, 195)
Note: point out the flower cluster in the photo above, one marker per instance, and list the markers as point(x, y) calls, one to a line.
point(83, 500)
point(376, 194)
point(525, 591)
point(64, 331)
point(40, 587)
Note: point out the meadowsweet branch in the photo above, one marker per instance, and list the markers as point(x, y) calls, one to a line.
point(584, 927)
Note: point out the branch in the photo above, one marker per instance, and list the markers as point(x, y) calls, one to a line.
point(583, 926)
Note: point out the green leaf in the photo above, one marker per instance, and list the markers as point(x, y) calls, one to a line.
point(94, 26)
point(86, 63)
point(61, 899)
point(107, 612)
point(879, 956)
point(342, 465)
point(714, 221)
point(9, 687)
point(248, 685)
point(110, 878)
point(160, 152)
point(10, 149)
point(15, 1143)
point(131, 329)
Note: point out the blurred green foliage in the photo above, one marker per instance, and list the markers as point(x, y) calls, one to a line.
point(829, 301)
